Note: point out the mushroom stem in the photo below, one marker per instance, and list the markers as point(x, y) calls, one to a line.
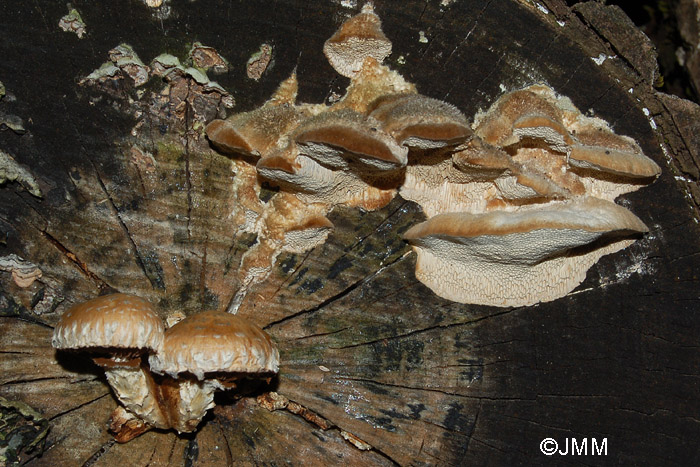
point(126, 426)
point(136, 390)
point(168, 403)
point(188, 401)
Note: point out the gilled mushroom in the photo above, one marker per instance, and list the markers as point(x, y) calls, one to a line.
point(118, 330)
point(357, 38)
point(539, 174)
point(532, 155)
point(433, 181)
point(207, 352)
point(482, 159)
point(518, 258)
point(441, 181)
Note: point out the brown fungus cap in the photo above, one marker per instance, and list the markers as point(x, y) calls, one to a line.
point(252, 133)
point(118, 321)
point(585, 215)
point(627, 164)
point(331, 137)
point(215, 342)
point(517, 258)
point(599, 149)
point(358, 38)
point(518, 110)
point(419, 121)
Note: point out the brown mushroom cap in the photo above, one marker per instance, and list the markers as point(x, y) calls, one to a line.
point(117, 321)
point(357, 38)
point(314, 183)
point(215, 342)
point(479, 156)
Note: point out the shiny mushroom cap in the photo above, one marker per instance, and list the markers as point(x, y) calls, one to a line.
point(215, 342)
point(111, 321)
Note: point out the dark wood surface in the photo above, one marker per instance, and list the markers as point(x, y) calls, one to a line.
point(421, 380)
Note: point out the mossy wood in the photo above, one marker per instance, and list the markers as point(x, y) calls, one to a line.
point(368, 353)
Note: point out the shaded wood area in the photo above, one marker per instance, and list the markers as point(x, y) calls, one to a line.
point(135, 200)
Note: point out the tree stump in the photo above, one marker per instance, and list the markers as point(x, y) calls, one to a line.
point(117, 190)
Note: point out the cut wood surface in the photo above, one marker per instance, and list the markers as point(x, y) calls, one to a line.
point(376, 369)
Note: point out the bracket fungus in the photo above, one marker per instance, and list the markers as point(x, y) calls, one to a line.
point(358, 38)
point(520, 203)
point(505, 256)
point(164, 379)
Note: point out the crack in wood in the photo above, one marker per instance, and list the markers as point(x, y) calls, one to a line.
point(314, 309)
point(335, 297)
point(293, 274)
point(439, 391)
point(101, 451)
point(157, 282)
point(113, 207)
point(203, 274)
point(474, 425)
point(469, 33)
point(172, 450)
point(150, 458)
point(374, 231)
point(322, 334)
point(28, 319)
point(15, 352)
point(488, 445)
point(73, 258)
point(13, 382)
point(80, 406)
point(29, 205)
point(188, 175)
point(324, 423)
point(430, 328)
point(229, 454)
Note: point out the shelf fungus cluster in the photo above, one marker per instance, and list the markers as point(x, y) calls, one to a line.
point(520, 203)
point(164, 378)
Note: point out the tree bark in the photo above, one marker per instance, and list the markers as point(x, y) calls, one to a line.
point(368, 353)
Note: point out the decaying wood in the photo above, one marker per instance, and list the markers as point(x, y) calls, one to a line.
point(135, 200)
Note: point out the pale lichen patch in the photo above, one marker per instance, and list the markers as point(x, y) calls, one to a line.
point(258, 62)
point(73, 22)
point(208, 58)
point(11, 171)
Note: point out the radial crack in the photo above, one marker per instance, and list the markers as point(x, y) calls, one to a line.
point(73, 258)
